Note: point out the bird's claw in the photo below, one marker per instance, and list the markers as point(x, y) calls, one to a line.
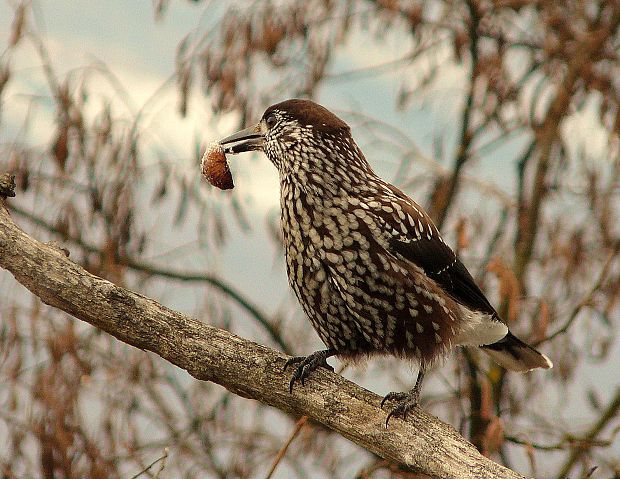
point(307, 364)
point(394, 396)
point(406, 403)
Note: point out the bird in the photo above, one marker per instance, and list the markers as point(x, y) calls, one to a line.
point(368, 265)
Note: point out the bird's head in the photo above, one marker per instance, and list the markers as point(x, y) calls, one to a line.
point(300, 136)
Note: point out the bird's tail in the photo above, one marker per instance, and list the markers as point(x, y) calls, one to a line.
point(512, 353)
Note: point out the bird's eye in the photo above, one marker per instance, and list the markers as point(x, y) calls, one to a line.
point(271, 120)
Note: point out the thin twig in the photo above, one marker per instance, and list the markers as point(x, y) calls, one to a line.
point(411, 151)
point(575, 442)
point(296, 430)
point(588, 439)
point(163, 464)
point(386, 66)
point(586, 299)
point(365, 473)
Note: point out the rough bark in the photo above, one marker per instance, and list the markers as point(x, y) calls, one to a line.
point(422, 442)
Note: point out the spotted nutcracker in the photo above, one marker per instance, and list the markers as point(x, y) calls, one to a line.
point(366, 262)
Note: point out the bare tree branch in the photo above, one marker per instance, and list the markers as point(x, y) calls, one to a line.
point(154, 270)
point(422, 443)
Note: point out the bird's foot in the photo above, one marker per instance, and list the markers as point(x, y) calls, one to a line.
point(406, 403)
point(394, 396)
point(307, 364)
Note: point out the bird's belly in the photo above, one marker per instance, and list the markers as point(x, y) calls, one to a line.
point(359, 308)
point(395, 311)
point(358, 296)
point(322, 303)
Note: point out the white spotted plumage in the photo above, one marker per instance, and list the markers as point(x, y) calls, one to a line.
point(367, 264)
point(360, 297)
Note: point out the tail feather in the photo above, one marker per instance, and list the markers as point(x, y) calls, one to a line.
point(512, 353)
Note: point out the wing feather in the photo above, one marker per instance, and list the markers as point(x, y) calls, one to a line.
point(424, 247)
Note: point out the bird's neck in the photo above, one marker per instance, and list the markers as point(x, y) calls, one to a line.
point(323, 178)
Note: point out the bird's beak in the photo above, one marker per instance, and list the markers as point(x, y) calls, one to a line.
point(249, 139)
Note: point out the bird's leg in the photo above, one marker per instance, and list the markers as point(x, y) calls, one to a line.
point(307, 364)
point(406, 401)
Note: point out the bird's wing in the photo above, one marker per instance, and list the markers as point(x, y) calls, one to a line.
point(421, 244)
